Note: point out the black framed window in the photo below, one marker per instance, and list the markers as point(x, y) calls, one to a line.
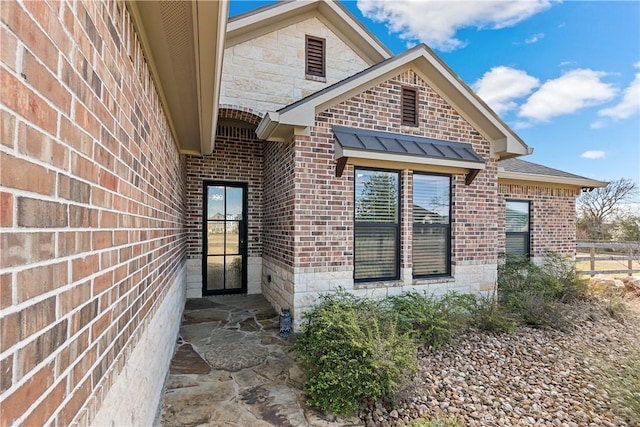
point(518, 228)
point(376, 225)
point(431, 225)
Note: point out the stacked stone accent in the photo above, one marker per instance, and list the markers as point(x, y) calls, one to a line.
point(268, 72)
point(92, 208)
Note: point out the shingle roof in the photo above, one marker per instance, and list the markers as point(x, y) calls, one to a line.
point(384, 142)
point(522, 166)
point(526, 170)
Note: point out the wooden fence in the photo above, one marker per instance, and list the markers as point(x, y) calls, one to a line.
point(608, 254)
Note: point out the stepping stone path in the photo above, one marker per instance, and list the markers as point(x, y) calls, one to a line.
point(232, 369)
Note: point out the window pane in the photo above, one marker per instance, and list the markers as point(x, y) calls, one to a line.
point(233, 237)
point(215, 272)
point(215, 200)
point(430, 248)
point(376, 197)
point(431, 224)
point(517, 215)
point(234, 272)
point(375, 252)
point(215, 237)
point(234, 203)
point(516, 244)
point(431, 199)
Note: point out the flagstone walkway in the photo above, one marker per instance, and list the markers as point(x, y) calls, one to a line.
point(232, 369)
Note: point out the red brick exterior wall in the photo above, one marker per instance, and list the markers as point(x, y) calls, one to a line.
point(92, 206)
point(553, 219)
point(324, 203)
point(279, 187)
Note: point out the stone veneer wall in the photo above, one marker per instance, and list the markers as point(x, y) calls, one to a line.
point(553, 222)
point(92, 211)
point(237, 157)
point(268, 72)
point(324, 203)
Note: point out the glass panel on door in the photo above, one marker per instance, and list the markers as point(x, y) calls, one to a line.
point(224, 240)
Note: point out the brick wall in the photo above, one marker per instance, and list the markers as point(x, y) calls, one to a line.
point(327, 201)
point(553, 219)
point(324, 204)
point(92, 206)
point(237, 157)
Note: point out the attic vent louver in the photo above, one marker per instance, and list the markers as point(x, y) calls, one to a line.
point(409, 107)
point(315, 56)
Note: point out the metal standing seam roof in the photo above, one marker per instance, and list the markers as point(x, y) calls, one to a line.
point(384, 142)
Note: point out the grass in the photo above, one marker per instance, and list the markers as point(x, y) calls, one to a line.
point(621, 264)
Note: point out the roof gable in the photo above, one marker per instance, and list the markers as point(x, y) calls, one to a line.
point(429, 67)
point(278, 15)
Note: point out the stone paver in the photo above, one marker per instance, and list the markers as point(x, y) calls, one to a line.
point(232, 369)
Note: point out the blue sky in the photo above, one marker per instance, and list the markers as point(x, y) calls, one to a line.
point(564, 75)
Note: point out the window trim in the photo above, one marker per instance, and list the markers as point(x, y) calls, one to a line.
point(403, 119)
point(313, 71)
point(527, 234)
point(397, 226)
point(448, 256)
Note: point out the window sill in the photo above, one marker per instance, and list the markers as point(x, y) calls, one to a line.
point(432, 280)
point(380, 284)
point(315, 78)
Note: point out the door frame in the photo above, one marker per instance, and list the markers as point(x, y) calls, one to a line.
point(243, 236)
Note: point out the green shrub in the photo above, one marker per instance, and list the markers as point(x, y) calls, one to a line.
point(352, 352)
point(488, 315)
point(433, 321)
point(537, 294)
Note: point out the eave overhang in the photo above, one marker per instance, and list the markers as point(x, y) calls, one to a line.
point(183, 43)
point(301, 114)
point(530, 178)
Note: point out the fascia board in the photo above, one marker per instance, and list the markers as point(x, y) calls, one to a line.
point(548, 179)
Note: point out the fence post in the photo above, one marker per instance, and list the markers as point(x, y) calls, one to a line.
point(630, 261)
point(592, 261)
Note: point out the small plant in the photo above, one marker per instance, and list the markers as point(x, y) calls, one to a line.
point(434, 322)
point(488, 315)
point(352, 352)
point(537, 295)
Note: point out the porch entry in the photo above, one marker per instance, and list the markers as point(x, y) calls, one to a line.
point(224, 238)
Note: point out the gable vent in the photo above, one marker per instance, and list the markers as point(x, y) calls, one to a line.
point(409, 107)
point(315, 56)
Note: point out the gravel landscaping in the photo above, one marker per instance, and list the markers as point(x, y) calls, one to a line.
point(586, 375)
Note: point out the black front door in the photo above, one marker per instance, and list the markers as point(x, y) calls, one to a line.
point(224, 238)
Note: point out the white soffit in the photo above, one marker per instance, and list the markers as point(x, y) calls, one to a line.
point(183, 43)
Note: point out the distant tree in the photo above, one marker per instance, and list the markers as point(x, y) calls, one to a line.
point(597, 209)
point(627, 229)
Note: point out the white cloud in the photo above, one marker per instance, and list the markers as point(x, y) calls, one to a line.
point(436, 22)
point(593, 154)
point(629, 105)
point(500, 86)
point(534, 38)
point(568, 93)
point(598, 124)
